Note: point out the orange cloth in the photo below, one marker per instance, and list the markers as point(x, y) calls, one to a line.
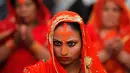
point(88, 52)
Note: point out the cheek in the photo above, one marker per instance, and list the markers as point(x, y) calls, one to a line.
point(57, 51)
point(105, 16)
point(117, 16)
point(18, 11)
point(75, 51)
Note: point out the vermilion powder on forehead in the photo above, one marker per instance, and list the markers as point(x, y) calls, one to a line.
point(21, 1)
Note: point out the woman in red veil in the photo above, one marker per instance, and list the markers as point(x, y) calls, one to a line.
point(111, 23)
point(62, 32)
point(23, 35)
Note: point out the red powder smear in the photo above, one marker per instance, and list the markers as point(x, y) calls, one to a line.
point(20, 1)
point(66, 34)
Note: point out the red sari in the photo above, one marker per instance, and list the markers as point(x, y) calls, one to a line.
point(21, 57)
point(90, 61)
point(112, 66)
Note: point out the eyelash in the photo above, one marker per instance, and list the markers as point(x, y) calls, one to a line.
point(57, 43)
point(70, 44)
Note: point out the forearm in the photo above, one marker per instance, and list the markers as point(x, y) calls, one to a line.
point(40, 52)
point(124, 58)
point(5, 34)
point(5, 50)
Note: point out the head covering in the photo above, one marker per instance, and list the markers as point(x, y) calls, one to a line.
point(95, 18)
point(43, 13)
point(90, 61)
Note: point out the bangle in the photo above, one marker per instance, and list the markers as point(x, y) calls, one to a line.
point(10, 44)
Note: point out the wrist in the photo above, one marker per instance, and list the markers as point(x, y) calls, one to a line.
point(104, 56)
point(34, 46)
point(123, 57)
point(28, 42)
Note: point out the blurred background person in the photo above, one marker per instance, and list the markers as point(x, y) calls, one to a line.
point(111, 23)
point(23, 35)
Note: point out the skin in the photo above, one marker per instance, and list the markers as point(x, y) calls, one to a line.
point(69, 46)
point(26, 11)
point(111, 15)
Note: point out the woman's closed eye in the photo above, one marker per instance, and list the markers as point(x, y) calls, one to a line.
point(71, 43)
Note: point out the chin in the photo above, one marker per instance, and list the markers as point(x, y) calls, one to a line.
point(65, 63)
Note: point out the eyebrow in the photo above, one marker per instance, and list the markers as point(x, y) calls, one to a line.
point(56, 40)
point(72, 40)
point(66, 41)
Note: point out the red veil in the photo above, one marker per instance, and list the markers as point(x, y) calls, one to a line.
point(90, 61)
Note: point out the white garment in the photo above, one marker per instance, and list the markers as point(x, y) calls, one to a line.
point(128, 3)
point(63, 5)
point(88, 2)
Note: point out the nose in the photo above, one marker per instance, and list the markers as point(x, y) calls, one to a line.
point(64, 50)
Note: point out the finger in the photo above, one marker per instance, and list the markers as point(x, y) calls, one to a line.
point(23, 29)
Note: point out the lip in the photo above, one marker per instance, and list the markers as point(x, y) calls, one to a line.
point(64, 58)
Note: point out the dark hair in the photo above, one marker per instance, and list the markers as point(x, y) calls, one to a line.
point(73, 25)
point(13, 3)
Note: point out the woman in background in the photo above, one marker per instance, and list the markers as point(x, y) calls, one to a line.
point(111, 23)
point(23, 35)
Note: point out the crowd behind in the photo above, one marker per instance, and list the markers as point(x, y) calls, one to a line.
point(24, 27)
